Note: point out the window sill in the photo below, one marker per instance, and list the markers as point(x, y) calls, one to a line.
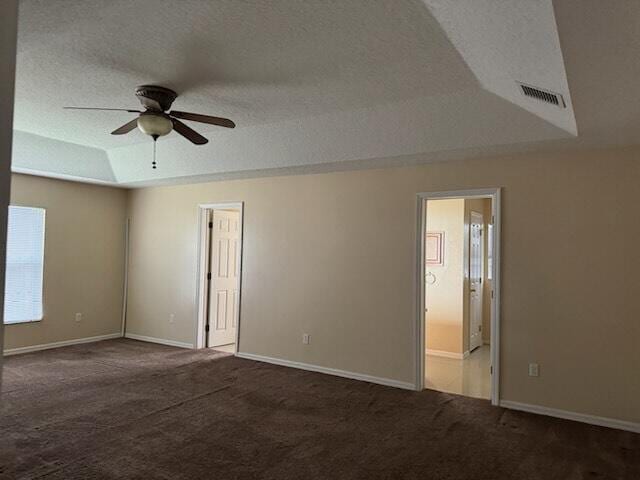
point(22, 322)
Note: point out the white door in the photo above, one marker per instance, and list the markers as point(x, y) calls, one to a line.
point(224, 276)
point(476, 263)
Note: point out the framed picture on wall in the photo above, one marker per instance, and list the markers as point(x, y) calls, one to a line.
point(435, 248)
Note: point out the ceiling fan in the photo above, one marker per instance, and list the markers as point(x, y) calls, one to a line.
point(157, 121)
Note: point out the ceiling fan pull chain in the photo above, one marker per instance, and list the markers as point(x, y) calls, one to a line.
point(154, 163)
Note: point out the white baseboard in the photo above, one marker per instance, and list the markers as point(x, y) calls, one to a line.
point(578, 417)
point(443, 353)
point(161, 341)
point(329, 371)
point(64, 343)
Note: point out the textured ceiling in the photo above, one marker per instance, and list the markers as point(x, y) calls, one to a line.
point(309, 84)
point(254, 61)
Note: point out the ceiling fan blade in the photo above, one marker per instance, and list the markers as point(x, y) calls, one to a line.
point(126, 128)
point(196, 117)
point(188, 132)
point(112, 109)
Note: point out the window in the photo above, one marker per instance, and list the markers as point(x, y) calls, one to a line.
point(25, 257)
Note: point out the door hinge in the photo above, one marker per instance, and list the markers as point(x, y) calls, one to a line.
point(491, 369)
point(206, 327)
point(491, 293)
point(210, 224)
point(209, 276)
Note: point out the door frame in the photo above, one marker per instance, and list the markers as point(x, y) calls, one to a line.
point(201, 284)
point(420, 328)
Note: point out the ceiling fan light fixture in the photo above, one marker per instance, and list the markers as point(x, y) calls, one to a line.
point(155, 124)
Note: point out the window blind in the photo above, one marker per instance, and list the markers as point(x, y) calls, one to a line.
point(25, 261)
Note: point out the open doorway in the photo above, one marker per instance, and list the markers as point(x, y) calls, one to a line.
point(219, 276)
point(458, 349)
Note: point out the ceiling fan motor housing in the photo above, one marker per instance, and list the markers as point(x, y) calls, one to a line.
point(155, 97)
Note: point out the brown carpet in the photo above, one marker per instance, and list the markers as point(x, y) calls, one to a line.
point(123, 409)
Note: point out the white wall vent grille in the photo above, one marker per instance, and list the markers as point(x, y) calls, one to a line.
point(542, 95)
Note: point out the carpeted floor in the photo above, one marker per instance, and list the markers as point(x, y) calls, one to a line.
point(124, 409)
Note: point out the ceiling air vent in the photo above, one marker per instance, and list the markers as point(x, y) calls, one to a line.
point(542, 95)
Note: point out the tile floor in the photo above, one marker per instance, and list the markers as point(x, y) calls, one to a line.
point(470, 377)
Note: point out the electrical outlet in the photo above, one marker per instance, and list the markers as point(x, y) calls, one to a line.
point(534, 370)
point(306, 338)
point(78, 317)
point(172, 318)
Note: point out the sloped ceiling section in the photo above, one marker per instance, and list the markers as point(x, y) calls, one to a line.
point(308, 83)
point(504, 44)
point(35, 154)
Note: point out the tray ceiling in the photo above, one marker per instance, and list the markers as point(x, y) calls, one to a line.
point(311, 85)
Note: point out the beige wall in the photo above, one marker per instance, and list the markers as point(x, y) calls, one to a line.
point(83, 259)
point(477, 205)
point(8, 27)
point(444, 302)
point(333, 255)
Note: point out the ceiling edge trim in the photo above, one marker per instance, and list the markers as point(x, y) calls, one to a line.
point(64, 176)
